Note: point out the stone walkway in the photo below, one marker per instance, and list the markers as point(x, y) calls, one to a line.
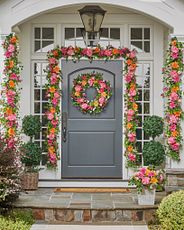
point(88, 227)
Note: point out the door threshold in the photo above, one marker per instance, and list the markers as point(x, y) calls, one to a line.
point(85, 184)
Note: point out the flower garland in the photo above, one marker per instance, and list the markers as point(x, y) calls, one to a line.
point(10, 90)
point(54, 94)
point(172, 92)
point(79, 97)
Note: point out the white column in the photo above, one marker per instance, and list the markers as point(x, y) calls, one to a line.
point(180, 164)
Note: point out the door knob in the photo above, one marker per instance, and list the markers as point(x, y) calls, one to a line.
point(64, 126)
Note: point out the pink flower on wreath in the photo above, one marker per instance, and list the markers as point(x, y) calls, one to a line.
point(64, 51)
point(78, 88)
point(172, 105)
point(80, 100)
point(146, 180)
point(14, 76)
point(89, 52)
point(11, 117)
point(174, 96)
point(53, 79)
point(143, 170)
point(101, 100)
point(54, 101)
point(70, 51)
point(131, 157)
point(91, 81)
point(54, 122)
point(7, 54)
point(102, 85)
point(132, 54)
point(11, 48)
point(52, 61)
point(10, 93)
point(51, 136)
point(107, 53)
point(151, 174)
point(171, 140)
point(10, 101)
point(84, 106)
point(175, 146)
point(128, 78)
point(101, 90)
point(132, 92)
point(174, 55)
point(175, 76)
point(56, 95)
point(131, 137)
point(50, 116)
point(173, 119)
point(174, 49)
point(172, 127)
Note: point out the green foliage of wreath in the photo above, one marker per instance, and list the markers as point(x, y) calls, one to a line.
point(90, 80)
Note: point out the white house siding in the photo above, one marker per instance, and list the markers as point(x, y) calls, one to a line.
point(25, 15)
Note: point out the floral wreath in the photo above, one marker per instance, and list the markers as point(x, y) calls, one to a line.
point(79, 97)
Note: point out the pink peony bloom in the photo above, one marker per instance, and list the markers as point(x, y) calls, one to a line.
point(70, 51)
point(80, 100)
point(10, 101)
point(54, 122)
point(171, 140)
point(78, 88)
point(101, 90)
point(172, 127)
point(50, 116)
point(13, 76)
point(174, 55)
point(130, 112)
point(54, 101)
point(143, 170)
point(91, 81)
point(84, 106)
point(101, 100)
point(89, 52)
point(174, 49)
point(174, 96)
point(131, 137)
point(132, 92)
point(108, 53)
point(131, 157)
point(128, 78)
point(10, 93)
point(132, 54)
point(173, 119)
point(51, 136)
point(102, 85)
point(53, 79)
point(151, 174)
point(175, 146)
point(145, 180)
point(175, 76)
point(11, 48)
point(172, 105)
point(52, 61)
point(7, 54)
point(56, 95)
point(11, 117)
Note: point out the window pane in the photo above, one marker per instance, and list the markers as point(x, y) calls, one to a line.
point(147, 82)
point(44, 120)
point(139, 134)
point(104, 33)
point(139, 121)
point(146, 95)
point(44, 107)
point(37, 81)
point(139, 108)
point(36, 94)
point(146, 69)
point(79, 33)
point(44, 133)
point(37, 68)
point(44, 81)
point(37, 33)
point(115, 33)
point(146, 108)
point(44, 159)
point(146, 33)
point(139, 147)
point(48, 33)
point(69, 43)
point(147, 46)
point(136, 33)
point(103, 43)
point(137, 45)
point(47, 45)
point(140, 95)
point(80, 43)
point(44, 95)
point(69, 33)
point(37, 46)
point(36, 107)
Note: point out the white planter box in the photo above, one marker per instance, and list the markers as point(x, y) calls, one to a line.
point(147, 197)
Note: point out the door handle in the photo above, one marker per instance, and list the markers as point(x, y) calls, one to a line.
point(64, 126)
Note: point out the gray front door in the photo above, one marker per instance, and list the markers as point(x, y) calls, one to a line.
point(93, 144)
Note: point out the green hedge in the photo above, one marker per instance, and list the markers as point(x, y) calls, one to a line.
point(7, 224)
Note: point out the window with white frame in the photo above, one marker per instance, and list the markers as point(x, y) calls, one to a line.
point(140, 39)
point(106, 37)
point(44, 38)
point(40, 104)
point(143, 76)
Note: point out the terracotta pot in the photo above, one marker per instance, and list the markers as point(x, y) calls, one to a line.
point(29, 181)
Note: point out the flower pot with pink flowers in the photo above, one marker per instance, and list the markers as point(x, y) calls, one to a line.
point(147, 180)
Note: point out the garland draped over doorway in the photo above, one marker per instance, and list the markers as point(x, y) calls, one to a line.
point(54, 94)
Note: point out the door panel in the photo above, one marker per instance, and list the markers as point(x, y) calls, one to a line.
point(93, 147)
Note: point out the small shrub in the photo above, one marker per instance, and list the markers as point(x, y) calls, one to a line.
point(31, 125)
point(171, 211)
point(153, 126)
point(7, 224)
point(153, 153)
point(22, 215)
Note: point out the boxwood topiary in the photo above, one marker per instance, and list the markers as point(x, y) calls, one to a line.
point(153, 153)
point(7, 224)
point(153, 126)
point(171, 211)
point(31, 125)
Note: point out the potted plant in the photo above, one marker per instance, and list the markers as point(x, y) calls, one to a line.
point(147, 180)
point(32, 153)
point(153, 151)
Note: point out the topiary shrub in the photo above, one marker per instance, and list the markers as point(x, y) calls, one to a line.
point(153, 153)
point(31, 125)
point(7, 224)
point(153, 126)
point(171, 211)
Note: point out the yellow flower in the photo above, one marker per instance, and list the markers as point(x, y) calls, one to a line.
point(84, 83)
point(104, 94)
point(154, 180)
point(77, 94)
point(147, 172)
point(95, 103)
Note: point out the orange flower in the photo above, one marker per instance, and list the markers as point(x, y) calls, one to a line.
point(175, 89)
point(115, 51)
point(129, 125)
point(177, 113)
point(174, 42)
point(132, 85)
point(11, 131)
point(175, 65)
point(96, 50)
point(104, 94)
point(147, 172)
point(11, 84)
point(76, 49)
point(77, 94)
point(154, 180)
point(52, 110)
point(51, 149)
point(55, 53)
point(174, 133)
point(130, 148)
point(52, 89)
point(84, 83)
point(11, 64)
point(135, 106)
point(52, 130)
point(13, 39)
point(129, 62)
point(56, 69)
point(133, 66)
point(9, 111)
